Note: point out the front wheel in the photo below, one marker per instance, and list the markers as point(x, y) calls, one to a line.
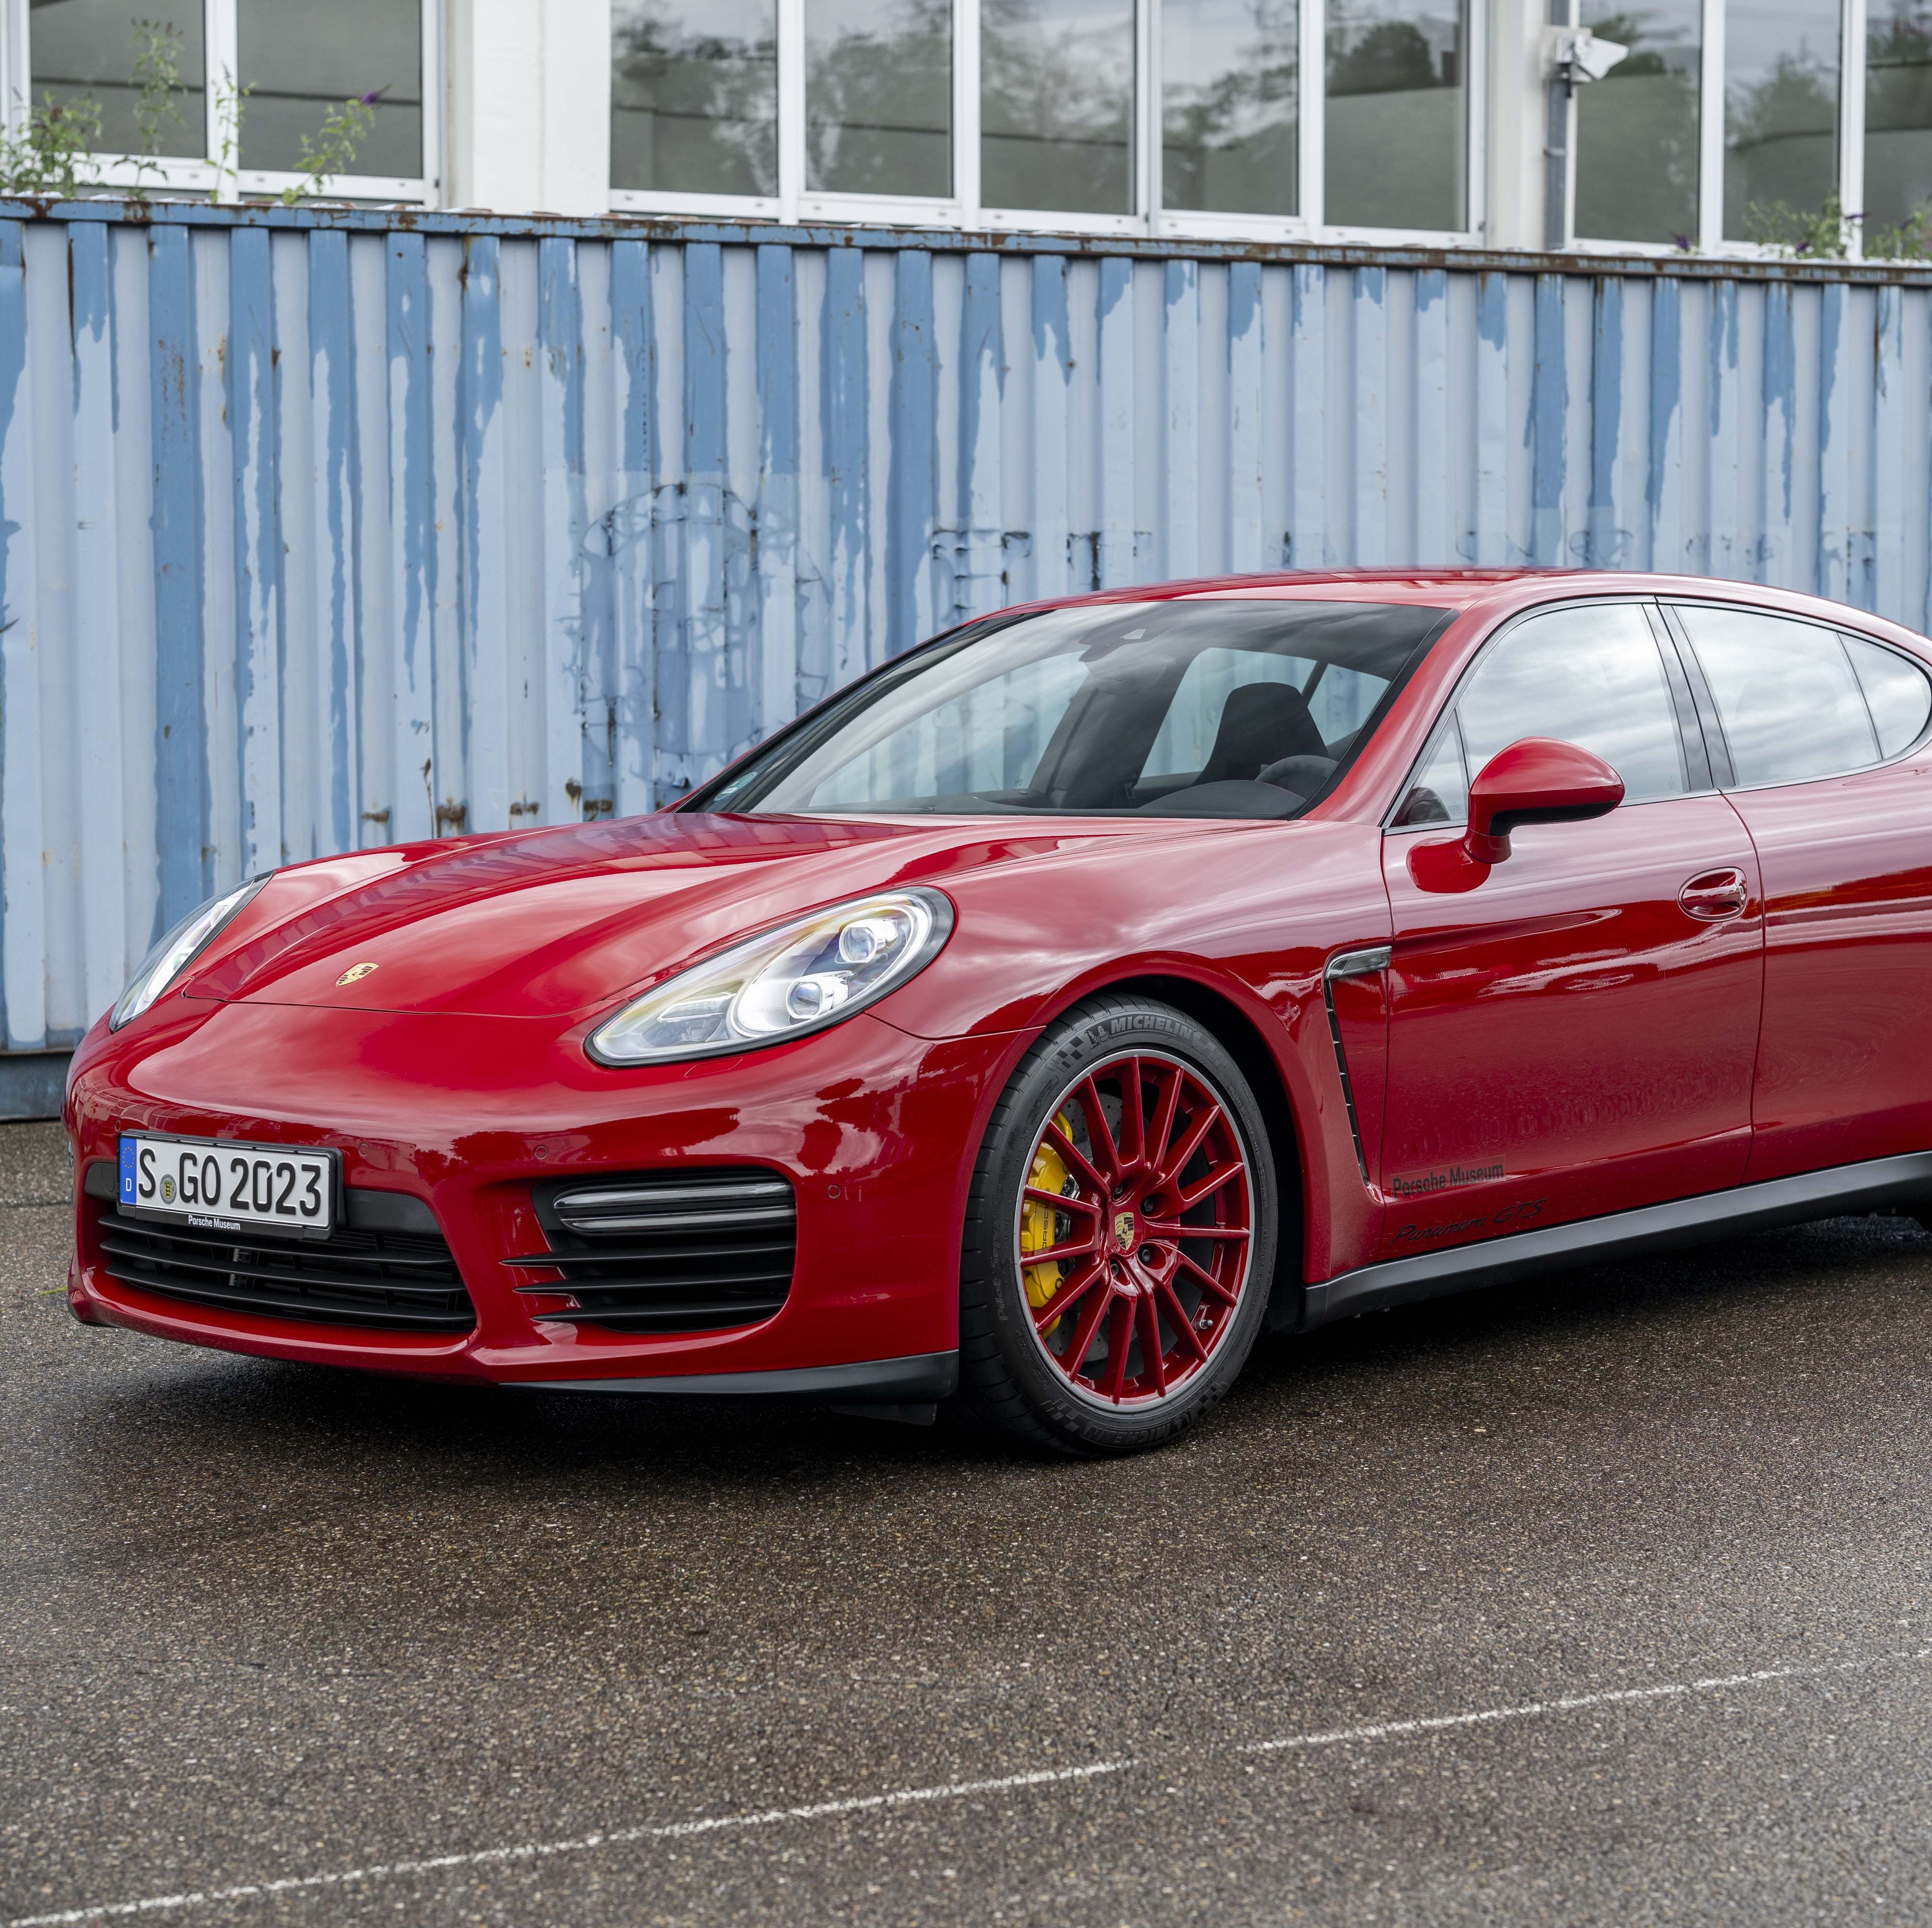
point(1120, 1236)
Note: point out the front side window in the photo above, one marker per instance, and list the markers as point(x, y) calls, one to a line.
point(1395, 109)
point(1590, 675)
point(1199, 707)
point(1792, 705)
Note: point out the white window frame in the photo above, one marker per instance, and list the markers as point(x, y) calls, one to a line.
point(189, 174)
point(963, 209)
point(1711, 238)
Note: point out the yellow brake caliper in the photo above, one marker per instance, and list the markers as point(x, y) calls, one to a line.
point(1041, 1226)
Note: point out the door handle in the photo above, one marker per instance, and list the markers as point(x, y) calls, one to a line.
point(1711, 896)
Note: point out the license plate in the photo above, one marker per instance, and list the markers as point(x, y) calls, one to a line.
point(218, 1185)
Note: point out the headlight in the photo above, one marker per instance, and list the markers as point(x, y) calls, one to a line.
point(813, 972)
point(178, 949)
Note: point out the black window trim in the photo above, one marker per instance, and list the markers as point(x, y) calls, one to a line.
point(1645, 602)
point(1842, 630)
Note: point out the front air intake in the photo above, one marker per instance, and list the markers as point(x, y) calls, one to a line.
point(687, 1252)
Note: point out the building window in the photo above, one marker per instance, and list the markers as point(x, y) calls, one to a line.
point(694, 100)
point(1803, 125)
point(1208, 117)
point(1780, 109)
point(252, 81)
point(1396, 140)
point(1898, 118)
point(878, 98)
point(1230, 118)
point(1637, 129)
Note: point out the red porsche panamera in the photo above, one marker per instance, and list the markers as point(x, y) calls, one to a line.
point(1038, 1017)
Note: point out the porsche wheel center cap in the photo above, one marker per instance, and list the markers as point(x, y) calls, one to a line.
point(1124, 1239)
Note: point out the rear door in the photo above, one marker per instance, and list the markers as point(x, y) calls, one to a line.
point(1825, 735)
point(1576, 1035)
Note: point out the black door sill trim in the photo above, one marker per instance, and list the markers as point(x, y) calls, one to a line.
point(919, 1378)
point(1778, 1201)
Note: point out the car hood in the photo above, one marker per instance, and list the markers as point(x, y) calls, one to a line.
point(561, 922)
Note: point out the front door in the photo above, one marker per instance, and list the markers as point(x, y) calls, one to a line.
point(1576, 1035)
point(1825, 734)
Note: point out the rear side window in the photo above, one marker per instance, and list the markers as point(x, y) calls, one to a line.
point(1896, 690)
point(1791, 703)
point(1589, 675)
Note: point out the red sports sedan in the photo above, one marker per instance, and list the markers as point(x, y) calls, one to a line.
point(1040, 1016)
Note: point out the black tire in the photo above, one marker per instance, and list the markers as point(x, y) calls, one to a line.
point(1011, 1381)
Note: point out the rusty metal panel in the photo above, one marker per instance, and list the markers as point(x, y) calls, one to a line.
point(321, 529)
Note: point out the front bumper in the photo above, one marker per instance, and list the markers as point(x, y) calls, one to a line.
point(876, 1130)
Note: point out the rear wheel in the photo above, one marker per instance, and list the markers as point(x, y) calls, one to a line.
point(1120, 1236)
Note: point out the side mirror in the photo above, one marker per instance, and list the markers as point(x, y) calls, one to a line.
point(1536, 781)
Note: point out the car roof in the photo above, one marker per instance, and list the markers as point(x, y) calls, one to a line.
point(1496, 592)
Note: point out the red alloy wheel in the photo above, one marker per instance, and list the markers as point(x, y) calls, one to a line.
point(1133, 1229)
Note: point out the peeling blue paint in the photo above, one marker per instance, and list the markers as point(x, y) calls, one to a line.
point(569, 512)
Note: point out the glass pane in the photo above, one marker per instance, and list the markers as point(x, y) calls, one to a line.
point(95, 47)
point(298, 62)
point(1899, 697)
point(1898, 119)
point(694, 96)
point(1780, 108)
point(1396, 145)
point(1440, 793)
point(1208, 708)
point(1636, 130)
point(1056, 103)
point(1790, 706)
point(1590, 676)
point(1228, 71)
point(879, 97)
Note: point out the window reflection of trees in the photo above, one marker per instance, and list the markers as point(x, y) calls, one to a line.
point(1636, 130)
point(1898, 119)
point(695, 105)
point(1396, 140)
point(1229, 74)
point(1056, 82)
point(1780, 109)
point(879, 97)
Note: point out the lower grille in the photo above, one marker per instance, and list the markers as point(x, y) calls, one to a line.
point(664, 1252)
point(401, 1281)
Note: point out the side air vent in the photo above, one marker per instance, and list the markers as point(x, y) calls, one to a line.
point(666, 1252)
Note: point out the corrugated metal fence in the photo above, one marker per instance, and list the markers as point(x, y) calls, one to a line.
point(325, 529)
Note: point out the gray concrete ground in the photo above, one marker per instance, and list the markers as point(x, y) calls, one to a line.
point(261, 1623)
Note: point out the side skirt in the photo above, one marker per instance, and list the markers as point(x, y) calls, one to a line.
point(1868, 1187)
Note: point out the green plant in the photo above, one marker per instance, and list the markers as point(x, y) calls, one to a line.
point(157, 47)
point(1910, 240)
point(1799, 234)
point(51, 154)
point(344, 127)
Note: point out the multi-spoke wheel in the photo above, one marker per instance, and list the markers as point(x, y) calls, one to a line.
point(1120, 1240)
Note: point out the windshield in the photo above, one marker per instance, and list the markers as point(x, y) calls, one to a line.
point(1204, 708)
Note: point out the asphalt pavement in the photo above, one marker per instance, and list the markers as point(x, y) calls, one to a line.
point(1605, 1598)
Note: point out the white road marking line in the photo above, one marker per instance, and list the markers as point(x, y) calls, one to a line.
point(675, 1830)
point(1383, 1730)
point(529, 1850)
